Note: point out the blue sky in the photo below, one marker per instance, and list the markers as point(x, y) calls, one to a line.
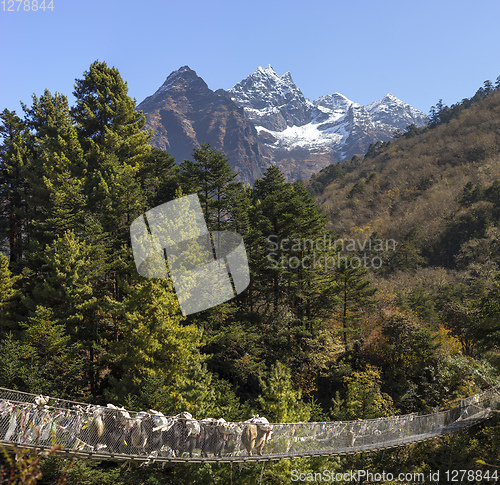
point(418, 51)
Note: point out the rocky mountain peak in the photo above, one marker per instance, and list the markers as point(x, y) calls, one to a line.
point(185, 113)
point(183, 75)
point(334, 100)
point(392, 113)
point(183, 80)
point(271, 101)
point(267, 71)
point(331, 106)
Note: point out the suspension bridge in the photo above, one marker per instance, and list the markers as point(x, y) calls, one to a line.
point(111, 433)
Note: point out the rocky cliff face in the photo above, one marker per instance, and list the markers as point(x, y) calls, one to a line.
point(265, 119)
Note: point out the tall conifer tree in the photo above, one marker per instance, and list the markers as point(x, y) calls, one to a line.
point(14, 156)
point(210, 175)
point(116, 146)
point(57, 171)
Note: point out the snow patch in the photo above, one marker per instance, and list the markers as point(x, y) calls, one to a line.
point(308, 136)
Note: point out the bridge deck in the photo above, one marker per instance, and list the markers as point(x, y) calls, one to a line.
point(29, 423)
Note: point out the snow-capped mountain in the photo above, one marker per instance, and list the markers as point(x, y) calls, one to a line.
point(332, 124)
point(392, 112)
point(265, 119)
point(331, 106)
point(271, 101)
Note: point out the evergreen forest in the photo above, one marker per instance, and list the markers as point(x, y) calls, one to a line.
point(400, 314)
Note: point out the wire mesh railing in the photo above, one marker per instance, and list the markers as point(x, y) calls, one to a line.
point(115, 433)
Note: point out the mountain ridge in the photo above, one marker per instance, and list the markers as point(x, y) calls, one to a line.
point(266, 120)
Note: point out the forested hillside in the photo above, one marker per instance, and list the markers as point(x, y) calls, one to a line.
point(427, 184)
point(381, 298)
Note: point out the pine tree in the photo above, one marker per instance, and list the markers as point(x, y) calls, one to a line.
point(210, 175)
point(159, 177)
point(14, 157)
point(285, 277)
point(14, 370)
point(270, 217)
point(55, 368)
point(313, 289)
point(116, 149)
point(70, 283)
point(356, 294)
point(106, 115)
point(279, 400)
point(154, 345)
point(57, 170)
point(111, 133)
point(239, 198)
point(7, 294)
